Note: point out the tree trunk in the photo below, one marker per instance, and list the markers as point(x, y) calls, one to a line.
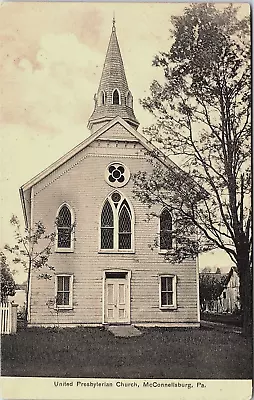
point(246, 296)
point(28, 290)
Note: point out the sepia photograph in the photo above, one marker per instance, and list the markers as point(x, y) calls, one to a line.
point(126, 182)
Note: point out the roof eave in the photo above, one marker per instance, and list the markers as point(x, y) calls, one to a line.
point(21, 193)
point(105, 119)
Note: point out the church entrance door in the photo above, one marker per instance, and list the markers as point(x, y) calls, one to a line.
point(117, 298)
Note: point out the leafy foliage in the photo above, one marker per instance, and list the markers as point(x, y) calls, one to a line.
point(7, 281)
point(21, 313)
point(28, 248)
point(32, 250)
point(203, 118)
point(210, 287)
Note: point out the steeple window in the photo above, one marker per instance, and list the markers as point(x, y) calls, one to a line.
point(129, 101)
point(116, 99)
point(102, 98)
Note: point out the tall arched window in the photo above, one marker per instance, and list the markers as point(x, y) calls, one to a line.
point(107, 227)
point(165, 230)
point(102, 98)
point(117, 224)
point(64, 228)
point(124, 226)
point(116, 97)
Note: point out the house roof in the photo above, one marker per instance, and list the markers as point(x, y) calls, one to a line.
point(221, 276)
point(21, 286)
point(113, 77)
point(229, 275)
point(224, 278)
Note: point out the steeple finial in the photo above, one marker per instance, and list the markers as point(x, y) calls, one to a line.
point(114, 22)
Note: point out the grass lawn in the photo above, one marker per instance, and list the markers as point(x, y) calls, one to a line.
point(158, 353)
point(228, 319)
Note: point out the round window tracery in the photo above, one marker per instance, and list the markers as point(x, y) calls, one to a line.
point(117, 175)
point(116, 197)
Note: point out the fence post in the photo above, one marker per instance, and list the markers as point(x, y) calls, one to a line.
point(9, 319)
point(13, 318)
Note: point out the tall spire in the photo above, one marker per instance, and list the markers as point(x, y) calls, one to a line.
point(113, 97)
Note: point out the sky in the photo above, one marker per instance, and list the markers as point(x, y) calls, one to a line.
point(51, 58)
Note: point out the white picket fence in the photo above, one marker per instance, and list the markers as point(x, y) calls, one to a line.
point(8, 318)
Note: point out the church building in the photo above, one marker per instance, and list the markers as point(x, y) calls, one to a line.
point(104, 269)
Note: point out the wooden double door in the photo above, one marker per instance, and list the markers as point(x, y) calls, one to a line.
point(117, 298)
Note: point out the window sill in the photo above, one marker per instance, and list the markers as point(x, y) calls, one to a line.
point(166, 308)
point(63, 308)
point(64, 250)
point(116, 252)
point(163, 252)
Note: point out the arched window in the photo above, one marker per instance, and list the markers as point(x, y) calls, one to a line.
point(64, 228)
point(117, 224)
point(124, 226)
point(103, 98)
point(116, 97)
point(107, 227)
point(165, 230)
point(129, 99)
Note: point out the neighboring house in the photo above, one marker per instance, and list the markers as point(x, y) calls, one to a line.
point(105, 272)
point(230, 297)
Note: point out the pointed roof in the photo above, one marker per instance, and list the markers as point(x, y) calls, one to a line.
point(113, 73)
point(113, 77)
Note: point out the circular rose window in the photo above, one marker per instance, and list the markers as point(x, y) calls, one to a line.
point(117, 175)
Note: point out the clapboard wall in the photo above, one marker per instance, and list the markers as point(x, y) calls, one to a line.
point(80, 182)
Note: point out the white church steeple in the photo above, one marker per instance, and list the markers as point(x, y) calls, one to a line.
point(113, 97)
